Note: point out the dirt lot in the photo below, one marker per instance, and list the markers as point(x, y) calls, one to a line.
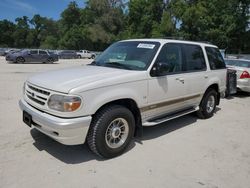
point(186, 152)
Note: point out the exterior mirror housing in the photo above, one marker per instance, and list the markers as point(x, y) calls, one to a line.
point(160, 69)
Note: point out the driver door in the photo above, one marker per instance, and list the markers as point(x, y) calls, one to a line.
point(166, 92)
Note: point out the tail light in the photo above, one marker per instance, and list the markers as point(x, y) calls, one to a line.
point(245, 74)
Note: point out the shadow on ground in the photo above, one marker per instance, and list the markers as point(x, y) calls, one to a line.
point(67, 154)
point(81, 153)
point(239, 94)
point(170, 126)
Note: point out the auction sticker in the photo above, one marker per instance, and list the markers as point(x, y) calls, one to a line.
point(144, 45)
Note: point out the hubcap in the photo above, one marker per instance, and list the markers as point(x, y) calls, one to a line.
point(117, 133)
point(210, 104)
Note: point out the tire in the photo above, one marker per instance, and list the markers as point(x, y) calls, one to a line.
point(50, 60)
point(20, 60)
point(79, 56)
point(111, 131)
point(93, 57)
point(208, 104)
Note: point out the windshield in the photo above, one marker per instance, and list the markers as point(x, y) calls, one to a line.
point(130, 55)
point(238, 63)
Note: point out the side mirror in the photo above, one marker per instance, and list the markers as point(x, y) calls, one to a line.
point(160, 69)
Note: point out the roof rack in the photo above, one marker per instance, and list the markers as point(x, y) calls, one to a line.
point(181, 38)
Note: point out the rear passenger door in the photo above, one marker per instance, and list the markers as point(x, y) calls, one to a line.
point(195, 73)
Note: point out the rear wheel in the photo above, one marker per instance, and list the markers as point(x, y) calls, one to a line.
point(79, 56)
point(20, 60)
point(111, 131)
point(208, 104)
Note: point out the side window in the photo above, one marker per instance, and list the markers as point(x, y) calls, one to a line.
point(33, 52)
point(171, 56)
point(194, 58)
point(42, 52)
point(215, 58)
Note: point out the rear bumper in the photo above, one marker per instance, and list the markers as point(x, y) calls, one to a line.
point(67, 131)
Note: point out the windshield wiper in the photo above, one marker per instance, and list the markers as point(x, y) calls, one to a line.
point(117, 65)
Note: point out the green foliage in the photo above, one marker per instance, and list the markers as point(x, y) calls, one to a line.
point(101, 22)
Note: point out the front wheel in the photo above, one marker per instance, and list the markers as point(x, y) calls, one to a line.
point(111, 131)
point(208, 104)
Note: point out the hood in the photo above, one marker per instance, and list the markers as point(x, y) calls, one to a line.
point(84, 77)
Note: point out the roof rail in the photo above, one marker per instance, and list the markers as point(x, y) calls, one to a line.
point(181, 38)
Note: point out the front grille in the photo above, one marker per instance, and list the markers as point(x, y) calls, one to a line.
point(37, 95)
point(39, 90)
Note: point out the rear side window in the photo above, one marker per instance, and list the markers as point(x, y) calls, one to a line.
point(194, 58)
point(42, 52)
point(215, 58)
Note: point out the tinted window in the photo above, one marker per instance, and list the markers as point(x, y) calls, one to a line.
point(194, 58)
point(171, 55)
point(42, 52)
point(33, 51)
point(215, 58)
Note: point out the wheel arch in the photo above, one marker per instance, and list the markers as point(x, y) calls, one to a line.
point(215, 87)
point(132, 106)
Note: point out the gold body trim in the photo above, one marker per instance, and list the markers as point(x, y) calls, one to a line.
point(167, 103)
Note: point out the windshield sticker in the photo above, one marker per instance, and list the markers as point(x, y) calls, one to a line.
point(148, 46)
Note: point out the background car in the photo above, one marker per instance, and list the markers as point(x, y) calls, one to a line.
point(67, 54)
point(34, 56)
point(242, 67)
point(86, 54)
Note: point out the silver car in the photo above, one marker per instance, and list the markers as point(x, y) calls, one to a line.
point(242, 67)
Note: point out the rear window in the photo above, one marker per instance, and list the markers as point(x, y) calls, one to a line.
point(215, 58)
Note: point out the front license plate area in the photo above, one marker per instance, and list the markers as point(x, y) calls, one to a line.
point(27, 118)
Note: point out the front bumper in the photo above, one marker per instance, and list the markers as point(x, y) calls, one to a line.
point(68, 131)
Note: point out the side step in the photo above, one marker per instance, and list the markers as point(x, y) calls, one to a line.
point(168, 117)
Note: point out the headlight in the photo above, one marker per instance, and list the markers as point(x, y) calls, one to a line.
point(64, 103)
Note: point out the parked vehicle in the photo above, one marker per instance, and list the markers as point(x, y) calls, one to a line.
point(11, 51)
point(34, 56)
point(133, 83)
point(2, 51)
point(242, 67)
point(86, 54)
point(67, 54)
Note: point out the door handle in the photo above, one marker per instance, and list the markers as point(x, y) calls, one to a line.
point(181, 80)
point(206, 76)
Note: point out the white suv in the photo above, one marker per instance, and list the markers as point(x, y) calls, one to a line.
point(134, 83)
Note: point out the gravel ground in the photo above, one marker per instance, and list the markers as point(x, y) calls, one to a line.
point(185, 152)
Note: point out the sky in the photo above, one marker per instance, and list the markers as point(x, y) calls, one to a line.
point(11, 9)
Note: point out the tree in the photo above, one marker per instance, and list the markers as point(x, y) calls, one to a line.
point(7, 29)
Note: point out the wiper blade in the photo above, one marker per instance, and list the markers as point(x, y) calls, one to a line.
point(117, 64)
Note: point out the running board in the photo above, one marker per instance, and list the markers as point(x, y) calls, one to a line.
point(163, 119)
